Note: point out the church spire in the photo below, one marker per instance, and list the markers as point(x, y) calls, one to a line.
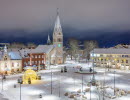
point(5, 49)
point(57, 27)
point(48, 40)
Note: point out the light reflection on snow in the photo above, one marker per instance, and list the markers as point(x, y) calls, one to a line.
point(102, 78)
point(116, 75)
point(71, 81)
point(33, 92)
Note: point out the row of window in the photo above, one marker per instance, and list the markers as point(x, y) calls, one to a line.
point(122, 61)
point(105, 55)
point(34, 62)
point(16, 64)
point(37, 56)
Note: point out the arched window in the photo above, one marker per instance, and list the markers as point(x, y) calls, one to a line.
point(59, 39)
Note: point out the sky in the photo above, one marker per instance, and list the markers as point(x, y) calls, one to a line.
point(107, 21)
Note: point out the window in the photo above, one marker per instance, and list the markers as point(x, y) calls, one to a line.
point(35, 62)
point(39, 61)
point(126, 61)
point(126, 55)
point(122, 61)
point(59, 39)
point(117, 61)
point(39, 56)
point(35, 56)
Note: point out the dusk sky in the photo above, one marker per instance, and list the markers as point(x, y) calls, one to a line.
point(107, 21)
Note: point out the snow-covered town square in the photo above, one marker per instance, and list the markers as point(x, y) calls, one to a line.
point(64, 50)
point(70, 85)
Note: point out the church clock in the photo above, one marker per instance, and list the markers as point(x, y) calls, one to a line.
point(59, 45)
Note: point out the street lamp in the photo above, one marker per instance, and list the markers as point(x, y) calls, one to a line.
point(51, 80)
point(114, 82)
point(93, 78)
point(90, 87)
point(3, 78)
point(59, 86)
point(20, 82)
point(82, 83)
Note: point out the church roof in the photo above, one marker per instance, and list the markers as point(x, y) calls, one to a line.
point(57, 22)
point(39, 49)
point(57, 26)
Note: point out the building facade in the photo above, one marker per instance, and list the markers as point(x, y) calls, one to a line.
point(111, 58)
point(10, 62)
point(58, 42)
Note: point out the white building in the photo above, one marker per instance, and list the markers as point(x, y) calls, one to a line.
point(10, 62)
point(112, 58)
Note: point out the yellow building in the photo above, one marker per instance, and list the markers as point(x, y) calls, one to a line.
point(111, 58)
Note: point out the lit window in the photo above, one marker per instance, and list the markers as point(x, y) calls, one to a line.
point(122, 61)
point(35, 56)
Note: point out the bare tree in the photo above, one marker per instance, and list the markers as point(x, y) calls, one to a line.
point(73, 47)
point(89, 46)
point(17, 45)
point(31, 45)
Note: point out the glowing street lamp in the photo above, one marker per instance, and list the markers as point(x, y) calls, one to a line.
point(3, 78)
point(114, 82)
point(20, 82)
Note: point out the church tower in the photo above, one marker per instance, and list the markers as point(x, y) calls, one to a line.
point(48, 40)
point(58, 40)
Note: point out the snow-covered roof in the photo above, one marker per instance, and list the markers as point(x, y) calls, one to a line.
point(15, 55)
point(111, 51)
point(44, 48)
point(39, 49)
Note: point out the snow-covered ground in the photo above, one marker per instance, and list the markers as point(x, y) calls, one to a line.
point(62, 83)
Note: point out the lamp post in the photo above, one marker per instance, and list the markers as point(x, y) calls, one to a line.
point(93, 78)
point(114, 82)
point(104, 84)
point(82, 83)
point(3, 78)
point(51, 81)
point(59, 86)
point(20, 82)
point(90, 87)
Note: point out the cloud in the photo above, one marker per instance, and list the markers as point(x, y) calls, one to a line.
point(38, 15)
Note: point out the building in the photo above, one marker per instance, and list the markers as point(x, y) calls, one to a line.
point(112, 58)
point(10, 62)
point(38, 57)
point(57, 57)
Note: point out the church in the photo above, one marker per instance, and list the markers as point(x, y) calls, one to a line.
point(41, 57)
point(45, 55)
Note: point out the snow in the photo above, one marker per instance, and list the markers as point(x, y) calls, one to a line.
point(69, 82)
